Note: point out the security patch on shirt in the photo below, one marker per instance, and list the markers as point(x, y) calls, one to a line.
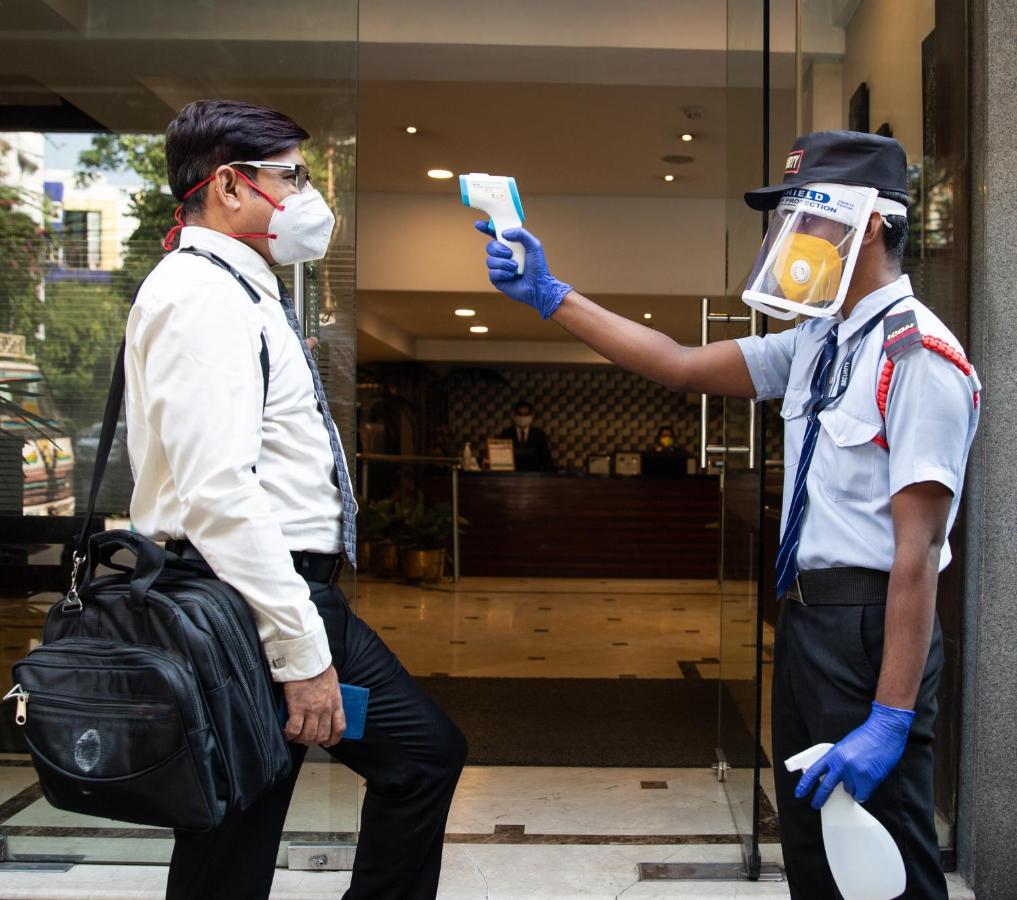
point(900, 333)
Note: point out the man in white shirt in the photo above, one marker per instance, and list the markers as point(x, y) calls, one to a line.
point(237, 459)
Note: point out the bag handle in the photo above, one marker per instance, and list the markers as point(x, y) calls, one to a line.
point(150, 558)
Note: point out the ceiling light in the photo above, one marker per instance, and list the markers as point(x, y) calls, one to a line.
point(669, 178)
point(439, 173)
point(478, 329)
point(411, 129)
point(647, 315)
point(676, 159)
point(465, 313)
point(687, 137)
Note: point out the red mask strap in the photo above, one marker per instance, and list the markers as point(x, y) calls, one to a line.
point(254, 187)
point(171, 235)
point(178, 216)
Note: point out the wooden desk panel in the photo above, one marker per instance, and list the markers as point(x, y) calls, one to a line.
point(535, 525)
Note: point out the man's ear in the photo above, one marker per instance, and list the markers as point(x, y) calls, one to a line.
point(873, 229)
point(226, 186)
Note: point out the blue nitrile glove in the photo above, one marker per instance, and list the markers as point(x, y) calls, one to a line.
point(536, 287)
point(863, 759)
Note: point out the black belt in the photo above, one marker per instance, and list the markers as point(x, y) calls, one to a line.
point(319, 567)
point(847, 586)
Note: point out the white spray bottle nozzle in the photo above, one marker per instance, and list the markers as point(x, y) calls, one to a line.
point(498, 196)
point(865, 862)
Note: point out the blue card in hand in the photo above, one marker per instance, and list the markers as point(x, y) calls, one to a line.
point(354, 706)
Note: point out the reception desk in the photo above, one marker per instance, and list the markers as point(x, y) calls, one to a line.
point(560, 526)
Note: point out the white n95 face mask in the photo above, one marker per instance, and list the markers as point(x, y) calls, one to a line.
point(808, 257)
point(299, 231)
point(300, 228)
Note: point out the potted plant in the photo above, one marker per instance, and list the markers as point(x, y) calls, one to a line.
point(376, 523)
point(426, 533)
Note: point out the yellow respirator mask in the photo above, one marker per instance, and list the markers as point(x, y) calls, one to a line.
point(808, 269)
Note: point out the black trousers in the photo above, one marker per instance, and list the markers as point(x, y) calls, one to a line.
point(411, 757)
point(826, 666)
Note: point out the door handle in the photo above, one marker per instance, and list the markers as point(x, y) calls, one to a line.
point(706, 319)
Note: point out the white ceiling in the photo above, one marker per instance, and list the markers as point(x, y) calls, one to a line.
point(573, 98)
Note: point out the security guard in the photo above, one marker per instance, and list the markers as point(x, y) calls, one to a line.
point(880, 407)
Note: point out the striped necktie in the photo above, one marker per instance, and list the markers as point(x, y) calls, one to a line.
point(342, 474)
point(787, 555)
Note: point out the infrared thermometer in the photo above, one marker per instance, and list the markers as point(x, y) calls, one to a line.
point(498, 196)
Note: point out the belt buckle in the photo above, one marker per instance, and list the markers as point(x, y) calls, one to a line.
point(794, 592)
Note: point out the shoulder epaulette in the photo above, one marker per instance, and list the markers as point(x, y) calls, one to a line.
point(900, 333)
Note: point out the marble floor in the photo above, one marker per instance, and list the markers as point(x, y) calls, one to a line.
point(513, 832)
point(468, 873)
point(573, 628)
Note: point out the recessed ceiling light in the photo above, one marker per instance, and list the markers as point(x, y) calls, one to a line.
point(687, 137)
point(411, 129)
point(669, 178)
point(439, 173)
point(647, 315)
point(465, 313)
point(478, 329)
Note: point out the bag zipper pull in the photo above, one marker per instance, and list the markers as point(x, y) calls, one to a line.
point(21, 695)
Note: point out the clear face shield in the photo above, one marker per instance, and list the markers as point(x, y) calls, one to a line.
point(805, 264)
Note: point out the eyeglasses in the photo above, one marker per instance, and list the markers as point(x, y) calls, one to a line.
point(301, 176)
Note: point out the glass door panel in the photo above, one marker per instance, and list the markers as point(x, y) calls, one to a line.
point(88, 89)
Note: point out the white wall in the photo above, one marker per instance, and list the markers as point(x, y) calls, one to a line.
point(621, 245)
point(884, 49)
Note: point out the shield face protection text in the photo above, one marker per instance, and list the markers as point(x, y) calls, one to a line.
point(806, 261)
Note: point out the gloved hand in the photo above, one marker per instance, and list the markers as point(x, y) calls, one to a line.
point(863, 759)
point(536, 287)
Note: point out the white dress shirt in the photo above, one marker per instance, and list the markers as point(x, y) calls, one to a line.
point(931, 419)
point(195, 429)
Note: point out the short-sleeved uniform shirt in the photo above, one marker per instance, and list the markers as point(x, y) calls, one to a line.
point(931, 418)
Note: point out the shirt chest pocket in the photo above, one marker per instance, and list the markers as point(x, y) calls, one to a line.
point(846, 460)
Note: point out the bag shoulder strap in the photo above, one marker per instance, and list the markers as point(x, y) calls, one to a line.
point(255, 298)
point(115, 399)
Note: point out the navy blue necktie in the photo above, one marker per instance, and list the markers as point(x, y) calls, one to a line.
point(349, 521)
point(787, 555)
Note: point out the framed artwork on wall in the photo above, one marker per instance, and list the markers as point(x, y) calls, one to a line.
point(858, 109)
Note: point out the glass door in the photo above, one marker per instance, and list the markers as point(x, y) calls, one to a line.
point(741, 448)
point(88, 89)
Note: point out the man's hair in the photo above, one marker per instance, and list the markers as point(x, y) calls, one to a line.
point(895, 232)
point(210, 133)
point(522, 404)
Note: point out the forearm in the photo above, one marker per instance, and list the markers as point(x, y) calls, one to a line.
point(910, 615)
point(649, 352)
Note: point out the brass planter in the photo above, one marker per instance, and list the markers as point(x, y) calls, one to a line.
point(423, 565)
point(384, 559)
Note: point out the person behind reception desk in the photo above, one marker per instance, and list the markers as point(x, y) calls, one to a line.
point(533, 453)
point(667, 459)
point(665, 442)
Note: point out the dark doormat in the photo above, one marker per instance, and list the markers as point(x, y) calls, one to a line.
point(667, 723)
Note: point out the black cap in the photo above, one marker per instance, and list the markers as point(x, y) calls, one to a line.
point(839, 157)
